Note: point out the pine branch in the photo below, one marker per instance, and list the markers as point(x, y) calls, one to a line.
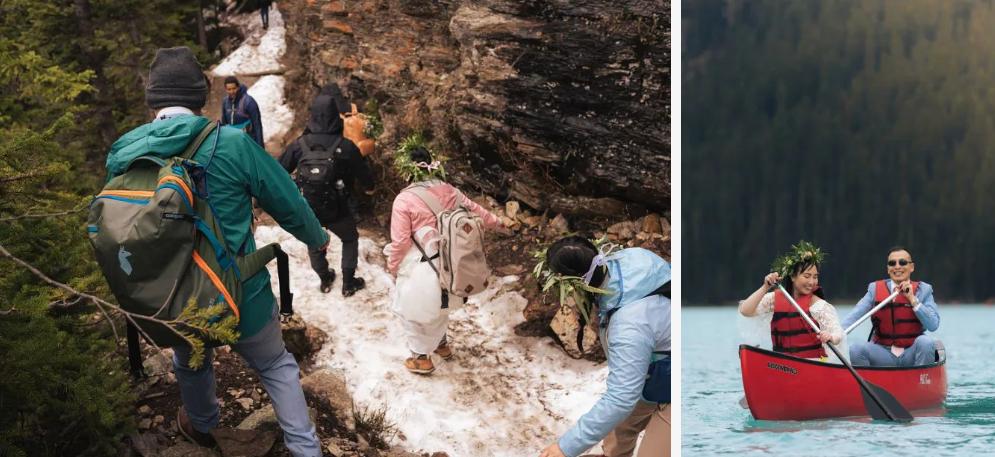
point(99, 302)
point(39, 216)
point(21, 177)
point(193, 317)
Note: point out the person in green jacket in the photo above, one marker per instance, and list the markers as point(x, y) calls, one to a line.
point(238, 170)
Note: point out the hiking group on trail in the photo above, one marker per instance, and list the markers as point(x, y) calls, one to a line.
point(172, 232)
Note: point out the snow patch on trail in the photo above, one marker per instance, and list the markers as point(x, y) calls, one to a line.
point(500, 395)
point(262, 49)
point(277, 117)
point(261, 52)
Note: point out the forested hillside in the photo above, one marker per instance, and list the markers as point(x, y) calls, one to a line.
point(70, 82)
point(855, 125)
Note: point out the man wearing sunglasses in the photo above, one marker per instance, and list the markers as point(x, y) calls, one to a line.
point(898, 329)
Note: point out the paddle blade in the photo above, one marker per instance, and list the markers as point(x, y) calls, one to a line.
point(881, 405)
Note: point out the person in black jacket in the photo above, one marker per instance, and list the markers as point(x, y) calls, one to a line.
point(329, 167)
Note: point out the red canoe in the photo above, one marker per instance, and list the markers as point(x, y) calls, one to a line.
point(782, 387)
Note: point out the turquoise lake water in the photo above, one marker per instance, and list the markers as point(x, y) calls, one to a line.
point(713, 423)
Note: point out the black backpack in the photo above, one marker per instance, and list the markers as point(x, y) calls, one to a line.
point(319, 175)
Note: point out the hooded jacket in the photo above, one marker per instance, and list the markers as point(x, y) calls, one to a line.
point(243, 108)
point(639, 324)
point(237, 170)
point(324, 127)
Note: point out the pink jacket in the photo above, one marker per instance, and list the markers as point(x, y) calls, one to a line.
point(409, 214)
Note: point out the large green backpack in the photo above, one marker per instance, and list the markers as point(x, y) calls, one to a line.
point(158, 243)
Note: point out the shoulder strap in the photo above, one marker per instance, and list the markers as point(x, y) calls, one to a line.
point(336, 144)
point(135, 353)
point(304, 146)
point(195, 144)
point(425, 196)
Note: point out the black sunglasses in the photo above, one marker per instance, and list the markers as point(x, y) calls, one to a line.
point(901, 262)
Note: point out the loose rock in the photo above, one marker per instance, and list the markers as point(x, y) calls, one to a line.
point(566, 325)
point(329, 388)
point(187, 449)
point(245, 402)
point(244, 443)
point(513, 269)
point(302, 339)
point(511, 209)
point(559, 224)
point(652, 224)
point(159, 364)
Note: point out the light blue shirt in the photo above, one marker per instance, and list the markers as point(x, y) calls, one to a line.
point(926, 312)
point(639, 327)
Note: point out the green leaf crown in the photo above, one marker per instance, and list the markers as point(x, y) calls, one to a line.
point(409, 170)
point(803, 252)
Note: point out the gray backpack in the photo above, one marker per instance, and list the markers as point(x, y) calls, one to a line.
point(462, 267)
point(160, 247)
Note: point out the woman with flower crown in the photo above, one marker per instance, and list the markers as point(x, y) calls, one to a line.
point(789, 333)
point(414, 241)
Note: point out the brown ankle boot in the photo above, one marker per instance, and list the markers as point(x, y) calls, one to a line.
point(420, 365)
point(444, 351)
point(193, 435)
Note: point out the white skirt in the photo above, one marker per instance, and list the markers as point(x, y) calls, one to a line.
point(418, 302)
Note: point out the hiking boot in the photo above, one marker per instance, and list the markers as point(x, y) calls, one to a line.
point(352, 285)
point(421, 364)
point(444, 350)
point(191, 434)
point(326, 282)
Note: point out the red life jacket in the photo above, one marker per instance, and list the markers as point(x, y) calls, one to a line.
point(895, 324)
point(789, 331)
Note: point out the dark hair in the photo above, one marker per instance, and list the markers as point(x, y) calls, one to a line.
point(420, 154)
point(572, 256)
point(900, 248)
point(796, 270)
point(232, 80)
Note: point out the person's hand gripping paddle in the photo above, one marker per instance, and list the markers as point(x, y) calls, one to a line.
point(871, 312)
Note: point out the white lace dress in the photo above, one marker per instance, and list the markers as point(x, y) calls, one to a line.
point(755, 330)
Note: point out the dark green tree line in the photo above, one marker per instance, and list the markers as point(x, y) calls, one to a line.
point(71, 81)
point(857, 125)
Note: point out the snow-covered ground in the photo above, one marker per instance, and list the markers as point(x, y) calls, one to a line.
point(500, 395)
point(276, 115)
point(261, 52)
point(262, 49)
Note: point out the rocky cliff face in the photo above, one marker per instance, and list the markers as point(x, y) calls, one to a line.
point(563, 105)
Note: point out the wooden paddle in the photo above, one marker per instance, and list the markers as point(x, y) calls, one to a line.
point(871, 312)
point(880, 404)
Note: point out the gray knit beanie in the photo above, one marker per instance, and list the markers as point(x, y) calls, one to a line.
point(175, 79)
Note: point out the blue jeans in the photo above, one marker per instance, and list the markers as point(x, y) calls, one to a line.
point(279, 373)
point(922, 352)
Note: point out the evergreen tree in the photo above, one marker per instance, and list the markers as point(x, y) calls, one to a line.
point(71, 80)
point(855, 124)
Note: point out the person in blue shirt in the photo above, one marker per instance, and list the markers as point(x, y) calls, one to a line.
point(898, 333)
point(241, 111)
point(634, 328)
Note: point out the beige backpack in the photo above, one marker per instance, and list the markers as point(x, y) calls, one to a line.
point(462, 268)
